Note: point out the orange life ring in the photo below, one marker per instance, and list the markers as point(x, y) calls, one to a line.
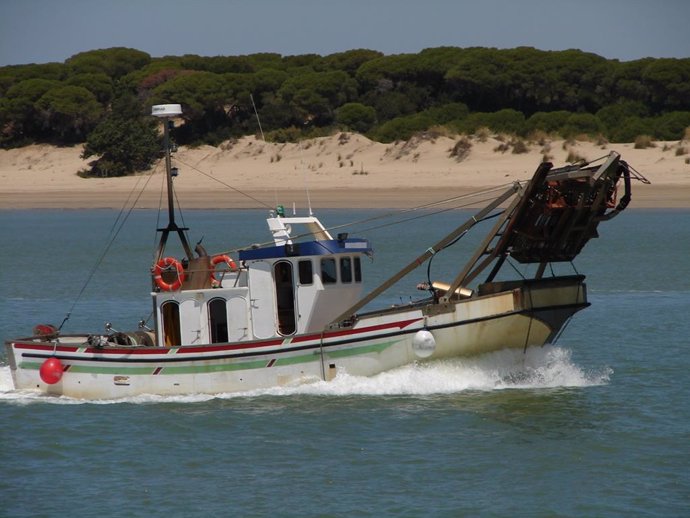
point(165, 264)
point(222, 258)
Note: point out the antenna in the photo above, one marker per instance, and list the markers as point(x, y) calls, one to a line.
point(257, 118)
point(263, 137)
point(304, 176)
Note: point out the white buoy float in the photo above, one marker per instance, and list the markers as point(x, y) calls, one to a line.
point(423, 343)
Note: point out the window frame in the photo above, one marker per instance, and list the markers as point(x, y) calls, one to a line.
point(326, 277)
point(212, 325)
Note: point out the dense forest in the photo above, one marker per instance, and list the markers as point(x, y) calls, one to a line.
point(102, 97)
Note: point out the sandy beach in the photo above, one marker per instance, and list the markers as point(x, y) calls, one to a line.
point(344, 170)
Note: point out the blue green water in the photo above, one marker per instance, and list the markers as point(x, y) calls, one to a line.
point(596, 425)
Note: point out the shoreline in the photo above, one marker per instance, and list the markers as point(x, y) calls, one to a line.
point(340, 171)
point(654, 196)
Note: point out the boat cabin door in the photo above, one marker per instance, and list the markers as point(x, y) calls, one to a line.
point(261, 299)
point(285, 297)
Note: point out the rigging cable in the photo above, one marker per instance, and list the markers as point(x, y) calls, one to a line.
point(258, 120)
point(238, 191)
point(365, 220)
point(515, 268)
point(179, 211)
point(428, 268)
point(425, 206)
point(304, 177)
point(429, 214)
point(471, 195)
point(114, 232)
point(531, 319)
point(263, 138)
point(374, 218)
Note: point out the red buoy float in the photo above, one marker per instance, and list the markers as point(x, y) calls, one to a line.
point(165, 264)
point(222, 258)
point(51, 371)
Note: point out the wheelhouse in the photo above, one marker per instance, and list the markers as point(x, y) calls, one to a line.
point(290, 287)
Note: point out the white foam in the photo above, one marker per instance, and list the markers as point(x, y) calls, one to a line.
point(537, 368)
point(5, 379)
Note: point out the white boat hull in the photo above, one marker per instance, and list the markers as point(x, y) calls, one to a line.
point(514, 318)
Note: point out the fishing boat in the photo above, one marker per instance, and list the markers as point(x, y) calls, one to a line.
point(292, 310)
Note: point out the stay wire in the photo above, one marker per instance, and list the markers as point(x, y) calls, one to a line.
point(238, 191)
point(429, 214)
point(366, 220)
point(179, 211)
point(119, 223)
point(394, 213)
point(426, 206)
point(515, 268)
point(474, 194)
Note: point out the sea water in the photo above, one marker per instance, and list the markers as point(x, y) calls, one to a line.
point(596, 425)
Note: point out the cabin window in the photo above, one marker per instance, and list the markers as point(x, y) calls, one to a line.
point(306, 274)
point(170, 312)
point(358, 270)
point(328, 271)
point(285, 297)
point(218, 320)
point(345, 269)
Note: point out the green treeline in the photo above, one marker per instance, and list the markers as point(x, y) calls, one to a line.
point(517, 91)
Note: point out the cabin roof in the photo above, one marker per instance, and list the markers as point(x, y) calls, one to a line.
point(308, 248)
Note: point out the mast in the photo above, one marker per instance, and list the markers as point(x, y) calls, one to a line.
point(166, 112)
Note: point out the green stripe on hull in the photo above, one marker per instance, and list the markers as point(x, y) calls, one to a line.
point(228, 365)
point(302, 358)
point(197, 369)
point(366, 349)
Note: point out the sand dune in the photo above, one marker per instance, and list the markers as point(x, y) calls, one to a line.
point(344, 170)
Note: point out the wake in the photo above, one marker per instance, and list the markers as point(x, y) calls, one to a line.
point(538, 368)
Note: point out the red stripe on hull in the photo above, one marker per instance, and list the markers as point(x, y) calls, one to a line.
point(228, 347)
point(88, 350)
point(346, 332)
point(136, 351)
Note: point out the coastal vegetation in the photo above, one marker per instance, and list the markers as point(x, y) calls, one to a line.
point(102, 98)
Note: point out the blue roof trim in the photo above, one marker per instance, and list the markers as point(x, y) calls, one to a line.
point(328, 247)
